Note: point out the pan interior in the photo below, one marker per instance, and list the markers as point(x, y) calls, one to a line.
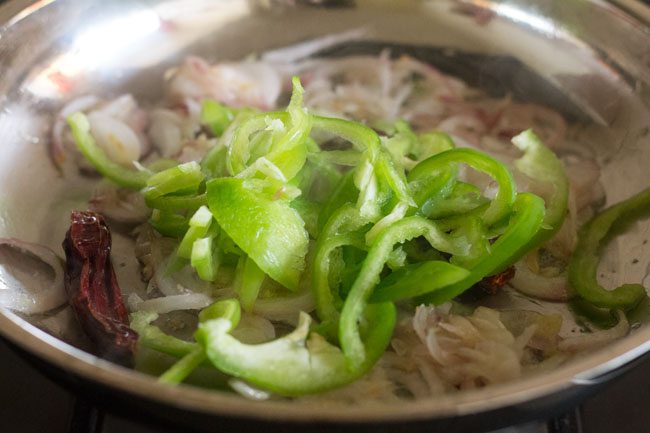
point(550, 53)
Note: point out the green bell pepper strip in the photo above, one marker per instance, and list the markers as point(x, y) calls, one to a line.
point(583, 265)
point(401, 140)
point(287, 150)
point(344, 193)
point(360, 136)
point(469, 227)
point(228, 309)
point(366, 140)
point(152, 337)
point(398, 212)
point(181, 369)
point(464, 198)
point(199, 225)
point(584, 311)
point(346, 158)
point(300, 362)
point(182, 179)
point(161, 164)
point(338, 231)
point(527, 216)
point(289, 153)
point(177, 202)
point(204, 259)
point(213, 163)
point(216, 116)
point(169, 223)
point(269, 231)
point(248, 282)
point(417, 279)
point(502, 204)
point(431, 143)
point(309, 212)
point(318, 179)
point(430, 189)
point(368, 277)
point(85, 142)
point(369, 201)
point(325, 298)
point(238, 145)
point(395, 179)
point(542, 165)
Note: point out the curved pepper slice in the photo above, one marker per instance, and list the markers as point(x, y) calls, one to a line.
point(338, 231)
point(417, 279)
point(95, 155)
point(528, 214)
point(269, 231)
point(289, 153)
point(500, 207)
point(542, 165)
point(300, 362)
point(583, 266)
point(368, 277)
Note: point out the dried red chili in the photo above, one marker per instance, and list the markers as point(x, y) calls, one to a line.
point(488, 286)
point(492, 284)
point(92, 288)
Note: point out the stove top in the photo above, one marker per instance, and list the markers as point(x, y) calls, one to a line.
point(31, 403)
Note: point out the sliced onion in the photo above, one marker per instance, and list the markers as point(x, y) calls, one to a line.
point(166, 304)
point(57, 144)
point(166, 132)
point(253, 329)
point(285, 309)
point(548, 124)
point(31, 277)
point(116, 138)
point(248, 391)
point(598, 338)
point(240, 84)
point(538, 286)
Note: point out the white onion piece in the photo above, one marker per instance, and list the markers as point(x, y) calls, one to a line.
point(246, 390)
point(166, 284)
point(253, 329)
point(241, 84)
point(598, 338)
point(166, 304)
point(116, 138)
point(31, 277)
point(120, 108)
point(57, 145)
point(538, 286)
point(166, 132)
point(285, 309)
point(548, 124)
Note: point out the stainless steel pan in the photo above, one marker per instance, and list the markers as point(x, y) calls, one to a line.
point(588, 59)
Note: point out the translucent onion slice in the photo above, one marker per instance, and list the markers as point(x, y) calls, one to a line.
point(167, 304)
point(538, 286)
point(31, 277)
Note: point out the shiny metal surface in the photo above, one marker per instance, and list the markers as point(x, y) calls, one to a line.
point(51, 51)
